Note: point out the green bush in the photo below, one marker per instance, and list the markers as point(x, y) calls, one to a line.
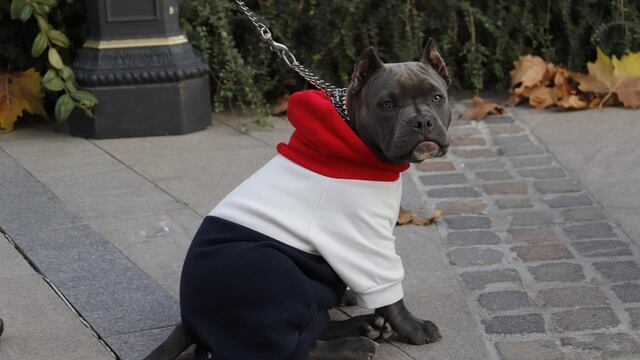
point(480, 39)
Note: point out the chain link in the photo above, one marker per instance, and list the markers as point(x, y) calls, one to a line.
point(337, 95)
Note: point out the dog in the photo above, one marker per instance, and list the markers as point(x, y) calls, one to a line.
point(280, 250)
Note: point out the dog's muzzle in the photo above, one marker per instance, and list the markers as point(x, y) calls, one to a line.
point(426, 150)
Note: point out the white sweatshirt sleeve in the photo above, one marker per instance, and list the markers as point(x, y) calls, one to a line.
point(352, 229)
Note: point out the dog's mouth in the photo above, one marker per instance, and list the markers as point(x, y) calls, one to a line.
point(426, 150)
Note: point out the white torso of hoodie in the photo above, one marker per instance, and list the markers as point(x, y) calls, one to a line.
point(348, 222)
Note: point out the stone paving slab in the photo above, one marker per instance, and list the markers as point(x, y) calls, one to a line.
point(545, 269)
point(599, 148)
point(110, 291)
point(38, 325)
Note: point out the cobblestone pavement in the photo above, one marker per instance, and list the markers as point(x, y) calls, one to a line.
point(548, 275)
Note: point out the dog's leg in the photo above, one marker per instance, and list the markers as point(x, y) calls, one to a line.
point(352, 348)
point(177, 342)
point(349, 298)
point(408, 327)
point(371, 326)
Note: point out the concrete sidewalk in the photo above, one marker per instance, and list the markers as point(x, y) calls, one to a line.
point(109, 222)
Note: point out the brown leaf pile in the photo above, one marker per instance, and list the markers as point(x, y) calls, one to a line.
point(610, 81)
point(411, 217)
point(482, 109)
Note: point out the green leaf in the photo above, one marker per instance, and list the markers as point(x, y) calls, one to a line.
point(53, 84)
point(71, 85)
point(50, 3)
point(41, 9)
point(87, 111)
point(39, 45)
point(64, 106)
point(58, 38)
point(50, 74)
point(26, 12)
point(43, 23)
point(67, 73)
point(84, 96)
point(54, 59)
point(16, 8)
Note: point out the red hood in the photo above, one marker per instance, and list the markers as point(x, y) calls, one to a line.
point(322, 142)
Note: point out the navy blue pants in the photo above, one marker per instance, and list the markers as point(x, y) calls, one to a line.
point(246, 296)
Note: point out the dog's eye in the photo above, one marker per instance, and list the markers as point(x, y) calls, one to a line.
point(387, 105)
point(437, 98)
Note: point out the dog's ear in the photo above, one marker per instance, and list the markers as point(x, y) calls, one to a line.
point(367, 65)
point(431, 56)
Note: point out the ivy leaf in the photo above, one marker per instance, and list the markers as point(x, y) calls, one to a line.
point(52, 81)
point(58, 38)
point(26, 12)
point(54, 59)
point(50, 3)
point(67, 73)
point(39, 45)
point(84, 97)
point(614, 76)
point(64, 106)
point(16, 8)
point(19, 92)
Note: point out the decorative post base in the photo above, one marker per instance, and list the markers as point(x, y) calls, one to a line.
point(148, 79)
point(143, 91)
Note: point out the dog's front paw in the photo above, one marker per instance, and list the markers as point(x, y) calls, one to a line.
point(371, 326)
point(378, 329)
point(418, 332)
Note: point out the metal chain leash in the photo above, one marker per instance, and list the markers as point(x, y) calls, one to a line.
point(337, 95)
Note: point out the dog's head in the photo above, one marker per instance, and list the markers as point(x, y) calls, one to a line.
point(401, 111)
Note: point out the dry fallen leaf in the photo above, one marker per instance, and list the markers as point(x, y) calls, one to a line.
point(572, 102)
point(530, 72)
point(405, 217)
point(410, 217)
point(281, 105)
point(541, 97)
point(610, 76)
point(481, 109)
point(19, 92)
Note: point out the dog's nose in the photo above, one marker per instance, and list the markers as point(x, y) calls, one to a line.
point(422, 125)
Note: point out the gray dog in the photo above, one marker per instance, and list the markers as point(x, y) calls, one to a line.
point(280, 250)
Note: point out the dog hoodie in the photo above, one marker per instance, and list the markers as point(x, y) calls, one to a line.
point(275, 254)
point(328, 194)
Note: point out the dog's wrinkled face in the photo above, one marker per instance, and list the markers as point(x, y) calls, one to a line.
point(401, 111)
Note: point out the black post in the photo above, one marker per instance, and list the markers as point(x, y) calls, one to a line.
point(146, 75)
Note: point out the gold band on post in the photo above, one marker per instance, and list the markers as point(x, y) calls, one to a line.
point(130, 43)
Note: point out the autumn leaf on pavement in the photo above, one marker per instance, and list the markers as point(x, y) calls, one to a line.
point(573, 102)
point(481, 109)
point(565, 93)
point(411, 217)
point(19, 92)
point(530, 72)
point(541, 97)
point(613, 76)
point(281, 105)
point(405, 217)
point(627, 72)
